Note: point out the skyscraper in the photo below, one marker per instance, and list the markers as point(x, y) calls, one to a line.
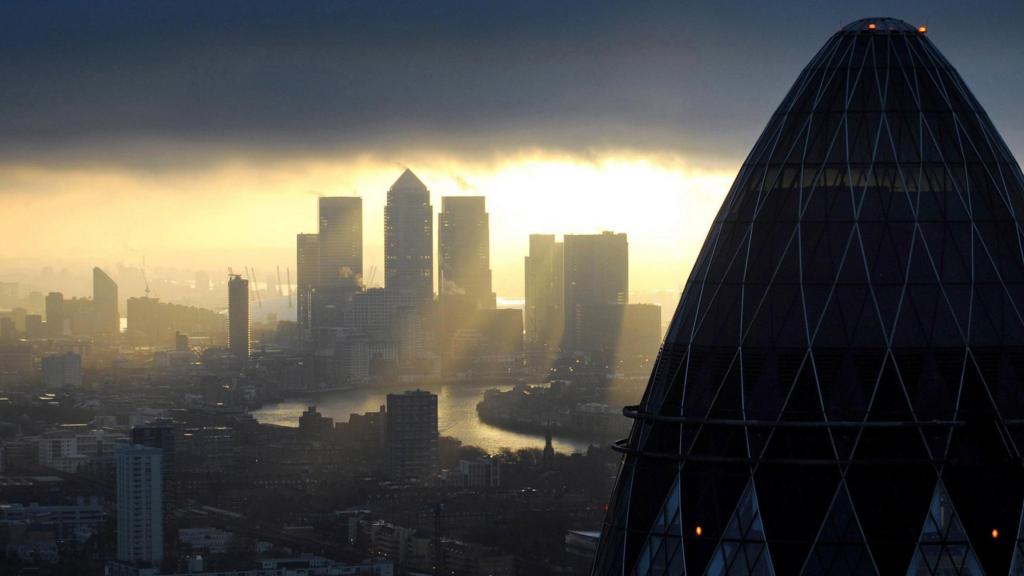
point(161, 434)
point(412, 435)
point(839, 390)
point(307, 258)
point(55, 314)
point(341, 242)
point(464, 250)
point(409, 238)
point(238, 317)
point(596, 272)
point(543, 314)
point(107, 320)
point(139, 504)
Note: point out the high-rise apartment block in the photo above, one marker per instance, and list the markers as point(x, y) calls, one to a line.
point(412, 435)
point(161, 434)
point(139, 504)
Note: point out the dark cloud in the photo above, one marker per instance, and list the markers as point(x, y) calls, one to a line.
point(167, 82)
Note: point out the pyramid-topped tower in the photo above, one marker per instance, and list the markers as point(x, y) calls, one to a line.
point(408, 181)
point(841, 390)
point(409, 239)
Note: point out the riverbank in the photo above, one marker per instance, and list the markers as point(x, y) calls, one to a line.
point(457, 414)
point(566, 409)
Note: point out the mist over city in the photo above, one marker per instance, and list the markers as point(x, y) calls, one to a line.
point(507, 289)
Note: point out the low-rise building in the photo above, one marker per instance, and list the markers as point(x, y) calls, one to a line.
point(72, 523)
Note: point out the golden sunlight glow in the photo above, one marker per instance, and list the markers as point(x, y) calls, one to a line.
point(244, 213)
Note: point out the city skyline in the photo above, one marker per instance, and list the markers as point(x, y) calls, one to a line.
point(514, 159)
point(402, 288)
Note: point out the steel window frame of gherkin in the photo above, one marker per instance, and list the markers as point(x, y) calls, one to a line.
point(840, 388)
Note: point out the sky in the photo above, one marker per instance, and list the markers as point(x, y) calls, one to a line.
point(198, 135)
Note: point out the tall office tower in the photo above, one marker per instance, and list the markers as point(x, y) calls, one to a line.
point(596, 272)
point(463, 250)
point(107, 321)
point(55, 314)
point(139, 504)
point(412, 435)
point(307, 260)
point(839, 390)
point(238, 317)
point(341, 242)
point(409, 238)
point(544, 316)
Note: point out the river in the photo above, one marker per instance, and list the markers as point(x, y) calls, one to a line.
point(456, 415)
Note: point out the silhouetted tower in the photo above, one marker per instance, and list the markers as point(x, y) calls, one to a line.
point(239, 334)
point(104, 302)
point(409, 239)
point(549, 449)
point(341, 242)
point(412, 435)
point(307, 257)
point(463, 250)
point(596, 272)
point(55, 314)
point(543, 313)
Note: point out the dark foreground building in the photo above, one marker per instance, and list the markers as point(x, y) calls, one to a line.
point(840, 391)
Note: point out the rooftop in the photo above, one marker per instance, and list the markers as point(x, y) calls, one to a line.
point(890, 25)
point(408, 180)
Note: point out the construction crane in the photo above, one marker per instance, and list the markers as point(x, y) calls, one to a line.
point(289, 272)
point(248, 286)
point(256, 288)
point(144, 278)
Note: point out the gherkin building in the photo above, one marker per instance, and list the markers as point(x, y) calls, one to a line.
point(841, 390)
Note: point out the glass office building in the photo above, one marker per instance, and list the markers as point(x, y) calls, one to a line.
point(840, 390)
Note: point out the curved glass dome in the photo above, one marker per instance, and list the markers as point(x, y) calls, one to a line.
point(840, 389)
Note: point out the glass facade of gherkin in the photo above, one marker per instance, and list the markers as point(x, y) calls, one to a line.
point(841, 390)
